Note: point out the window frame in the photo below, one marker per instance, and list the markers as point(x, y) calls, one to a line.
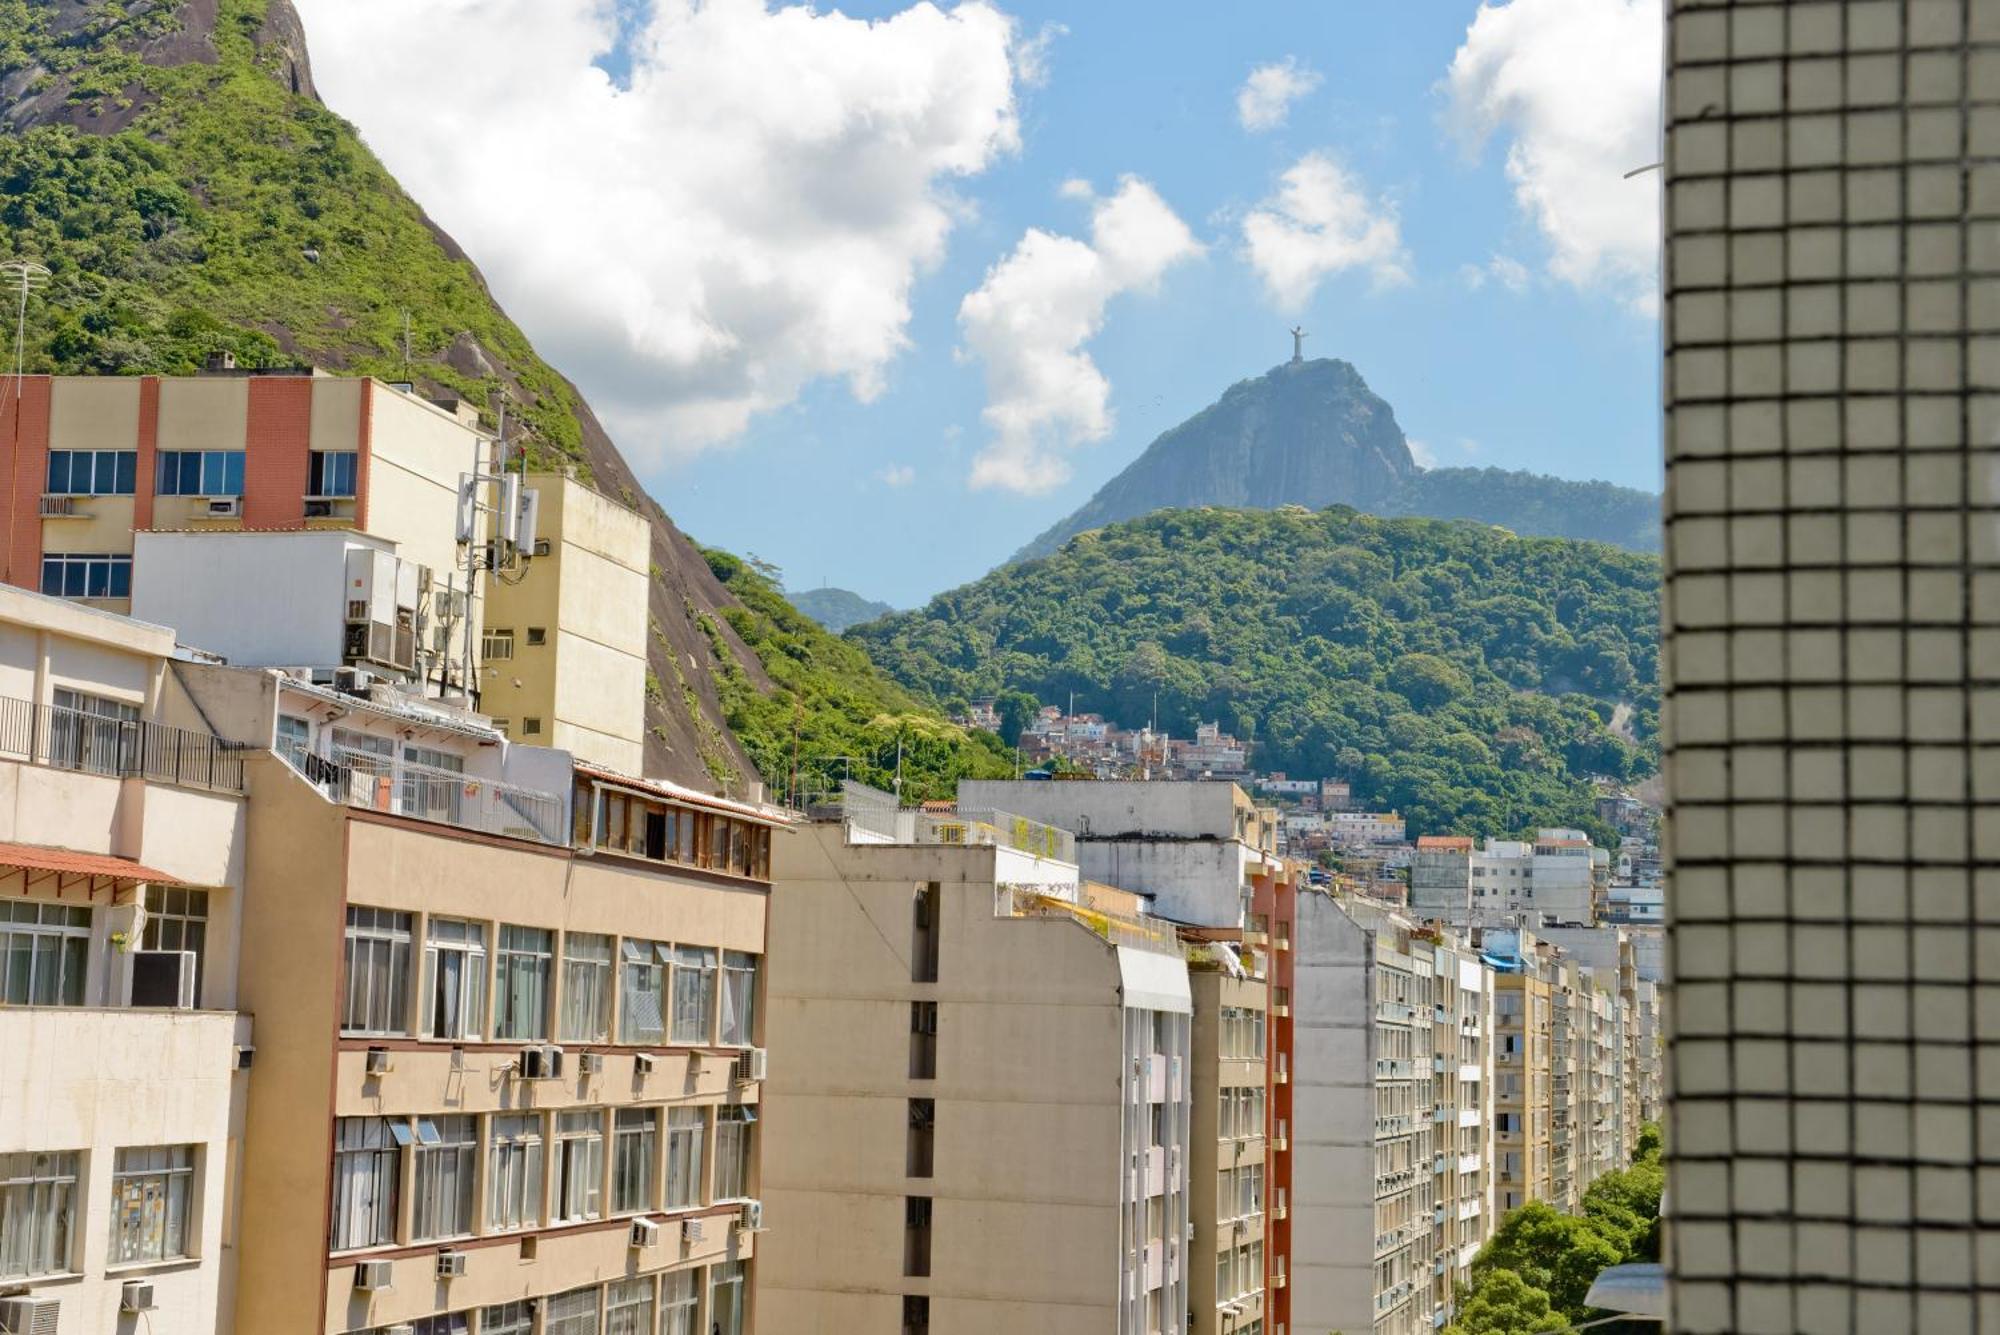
point(441, 1164)
point(396, 946)
point(516, 1152)
point(474, 962)
point(588, 987)
point(317, 463)
point(354, 1144)
point(69, 954)
point(50, 1179)
point(577, 1189)
point(520, 954)
point(122, 466)
point(684, 1184)
point(173, 1177)
point(635, 1149)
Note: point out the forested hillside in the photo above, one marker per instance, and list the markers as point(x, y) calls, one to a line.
point(1469, 678)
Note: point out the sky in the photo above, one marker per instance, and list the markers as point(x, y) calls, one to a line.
point(878, 293)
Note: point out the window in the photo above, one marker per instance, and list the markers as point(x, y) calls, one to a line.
point(628, 1307)
point(514, 1171)
point(641, 1009)
point(73, 575)
point(916, 1235)
point(200, 473)
point(579, 1165)
point(365, 1180)
point(694, 995)
point(495, 644)
point(92, 732)
point(454, 979)
point(444, 1323)
point(572, 1313)
point(680, 1302)
point(916, 1314)
point(330, 473)
point(924, 950)
point(635, 1138)
point(541, 547)
point(919, 1153)
point(537, 635)
point(44, 953)
point(732, 1151)
point(522, 1008)
point(93, 472)
point(586, 1005)
point(447, 1155)
point(725, 1298)
point(37, 1194)
point(378, 972)
point(516, 1318)
point(739, 998)
point(294, 739)
point(686, 1127)
point(923, 1040)
point(152, 1196)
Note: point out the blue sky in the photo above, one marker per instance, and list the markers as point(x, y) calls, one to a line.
point(1545, 359)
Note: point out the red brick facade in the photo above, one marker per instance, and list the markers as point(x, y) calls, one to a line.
point(24, 425)
point(279, 440)
point(149, 440)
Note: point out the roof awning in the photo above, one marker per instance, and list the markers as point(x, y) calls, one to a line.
point(66, 870)
point(1637, 1290)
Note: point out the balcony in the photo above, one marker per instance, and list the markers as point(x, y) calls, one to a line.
point(1468, 1163)
point(446, 797)
point(72, 739)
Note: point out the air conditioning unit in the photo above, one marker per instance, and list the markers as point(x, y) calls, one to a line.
point(136, 1295)
point(319, 509)
point(590, 1063)
point(29, 1316)
point(750, 1065)
point(552, 1062)
point(352, 680)
point(694, 1230)
point(451, 1265)
point(753, 1217)
point(645, 1233)
point(222, 507)
point(379, 1062)
point(642, 1063)
point(544, 1062)
point(373, 1276)
point(163, 978)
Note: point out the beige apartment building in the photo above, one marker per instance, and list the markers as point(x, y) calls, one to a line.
point(124, 1050)
point(564, 652)
point(1230, 1188)
point(980, 1086)
point(1523, 1070)
point(511, 1011)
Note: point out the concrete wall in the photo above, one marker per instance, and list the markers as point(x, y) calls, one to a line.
point(258, 599)
point(1110, 809)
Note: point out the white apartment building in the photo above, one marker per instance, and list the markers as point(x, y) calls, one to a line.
point(1560, 878)
point(1462, 1063)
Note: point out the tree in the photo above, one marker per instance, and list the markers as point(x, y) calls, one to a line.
point(1017, 709)
point(1505, 1304)
point(1557, 1253)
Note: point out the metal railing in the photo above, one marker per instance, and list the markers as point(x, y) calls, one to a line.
point(74, 739)
point(423, 792)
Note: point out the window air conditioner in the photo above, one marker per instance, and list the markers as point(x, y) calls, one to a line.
point(379, 1063)
point(135, 1296)
point(451, 1265)
point(590, 1063)
point(645, 1233)
point(224, 507)
point(373, 1276)
point(544, 1062)
point(319, 509)
point(163, 978)
point(694, 1230)
point(642, 1063)
point(29, 1316)
point(753, 1216)
point(750, 1065)
point(552, 1062)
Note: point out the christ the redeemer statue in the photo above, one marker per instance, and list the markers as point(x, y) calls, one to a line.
point(1298, 344)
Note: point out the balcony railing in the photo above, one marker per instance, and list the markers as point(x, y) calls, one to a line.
point(119, 748)
point(467, 801)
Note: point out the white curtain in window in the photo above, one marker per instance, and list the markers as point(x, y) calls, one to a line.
point(642, 1017)
point(694, 995)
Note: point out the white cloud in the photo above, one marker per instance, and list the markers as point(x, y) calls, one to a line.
point(897, 475)
point(749, 213)
point(1028, 322)
point(1574, 86)
point(1505, 270)
point(1425, 456)
point(1031, 54)
point(1321, 222)
point(1266, 97)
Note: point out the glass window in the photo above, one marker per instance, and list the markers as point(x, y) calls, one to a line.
point(573, 1313)
point(378, 972)
point(586, 1006)
point(579, 1165)
point(44, 953)
point(330, 473)
point(179, 921)
point(694, 995)
point(739, 998)
point(514, 1172)
point(496, 644)
point(152, 1197)
point(37, 1197)
point(77, 575)
point(199, 473)
point(516, 1318)
point(92, 472)
point(526, 957)
point(454, 979)
point(686, 1128)
point(365, 1181)
point(628, 1307)
point(641, 1007)
point(444, 1323)
point(680, 1302)
point(732, 1152)
point(294, 739)
point(636, 1141)
point(725, 1298)
point(447, 1152)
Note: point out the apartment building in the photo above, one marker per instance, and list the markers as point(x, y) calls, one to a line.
point(1523, 1065)
point(99, 462)
point(564, 652)
point(1274, 902)
point(1462, 1113)
point(1365, 1196)
point(981, 1093)
point(124, 1047)
point(510, 1009)
point(1230, 1191)
point(1561, 877)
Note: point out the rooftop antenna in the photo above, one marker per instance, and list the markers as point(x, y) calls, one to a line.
point(28, 275)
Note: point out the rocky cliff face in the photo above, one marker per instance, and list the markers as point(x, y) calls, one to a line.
point(1305, 433)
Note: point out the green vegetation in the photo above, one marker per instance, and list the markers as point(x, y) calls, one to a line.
point(1533, 504)
point(1532, 1275)
point(1468, 678)
point(849, 717)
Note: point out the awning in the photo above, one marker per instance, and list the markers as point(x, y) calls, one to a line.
point(68, 870)
point(1636, 1290)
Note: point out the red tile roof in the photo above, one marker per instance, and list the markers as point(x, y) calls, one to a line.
point(63, 862)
